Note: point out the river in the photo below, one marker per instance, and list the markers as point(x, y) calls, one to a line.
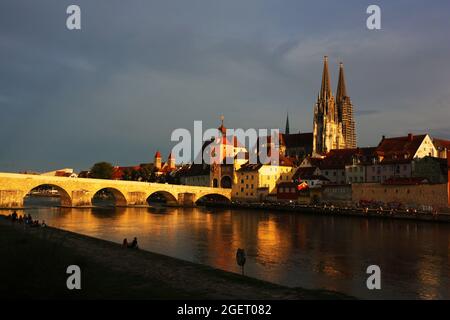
point(291, 249)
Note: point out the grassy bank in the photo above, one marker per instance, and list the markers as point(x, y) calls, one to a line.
point(34, 261)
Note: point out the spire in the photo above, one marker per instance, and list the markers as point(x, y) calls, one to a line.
point(287, 124)
point(325, 91)
point(341, 91)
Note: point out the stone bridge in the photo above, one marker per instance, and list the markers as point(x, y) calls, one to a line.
point(78, 192)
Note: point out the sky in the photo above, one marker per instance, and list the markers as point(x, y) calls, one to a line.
point(138, 69)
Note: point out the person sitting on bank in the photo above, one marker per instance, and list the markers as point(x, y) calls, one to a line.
point(14, 216)
point(134, 244)
point(28, 219)
point(43, 224)
point(125, 243)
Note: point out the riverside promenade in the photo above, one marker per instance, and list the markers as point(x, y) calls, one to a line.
point(442, 217)
point(34, 262)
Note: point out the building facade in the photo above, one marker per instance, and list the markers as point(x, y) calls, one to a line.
point(257, 182)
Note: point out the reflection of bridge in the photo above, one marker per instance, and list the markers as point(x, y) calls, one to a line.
point(77, 192)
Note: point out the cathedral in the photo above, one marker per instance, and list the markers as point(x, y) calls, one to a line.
point(334, 125)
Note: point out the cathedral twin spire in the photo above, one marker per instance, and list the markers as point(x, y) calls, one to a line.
point(334, 126)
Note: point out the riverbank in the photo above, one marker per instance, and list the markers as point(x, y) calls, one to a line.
point(34, 262)
point(338, 211)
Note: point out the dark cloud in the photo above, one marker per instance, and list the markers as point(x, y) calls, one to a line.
point(139, 69)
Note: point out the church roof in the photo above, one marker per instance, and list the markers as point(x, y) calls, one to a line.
point(297, 140)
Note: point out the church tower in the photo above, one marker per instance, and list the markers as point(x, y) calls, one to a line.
point(345, 111)
point(327, 129)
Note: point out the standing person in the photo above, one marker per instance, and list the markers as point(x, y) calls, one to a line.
point(125, 243)
point(14, 216)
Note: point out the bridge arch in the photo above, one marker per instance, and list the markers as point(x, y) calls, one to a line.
point(119, 198)
point(212, 197)
point(162, 196)
point(64, 196)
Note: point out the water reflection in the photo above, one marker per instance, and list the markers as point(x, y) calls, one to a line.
point(290, 249)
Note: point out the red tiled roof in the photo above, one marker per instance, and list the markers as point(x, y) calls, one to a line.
point(118, 171)
point(400, 148)
point(158, 154)
point(285, 161)
point(441, 144)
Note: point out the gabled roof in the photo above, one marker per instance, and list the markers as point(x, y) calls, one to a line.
point(400, 148)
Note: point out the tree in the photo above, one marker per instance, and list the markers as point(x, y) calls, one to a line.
point(102, 170)
point(146, 173)
point(127, 174)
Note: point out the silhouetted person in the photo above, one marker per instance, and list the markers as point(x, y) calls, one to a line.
point(134, 244)
point(125, 243)
point(14, 216)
